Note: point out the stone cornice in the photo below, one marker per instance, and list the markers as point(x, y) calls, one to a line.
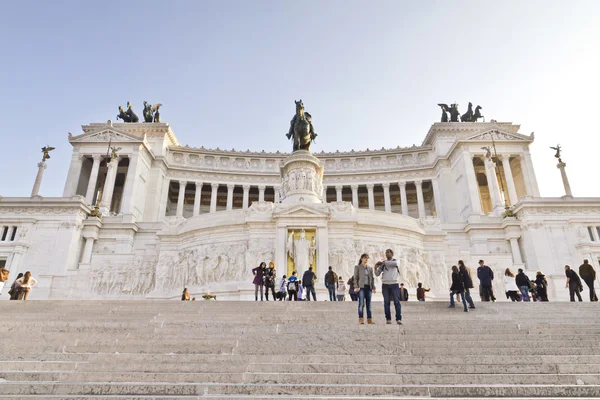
point(44, 206)
point(557, 206)
point(463, 130)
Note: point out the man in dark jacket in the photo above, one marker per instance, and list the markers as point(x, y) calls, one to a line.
point(465, 278)
point(331, 280)
point(308, 283)
point(486, 276)
point(522, 282)
point(573, 283)
point(403, 293)
point(588, 274)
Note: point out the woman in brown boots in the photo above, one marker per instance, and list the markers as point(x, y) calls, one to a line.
point(364, 285)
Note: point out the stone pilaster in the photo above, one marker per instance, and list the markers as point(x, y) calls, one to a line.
point(472, 185)
point(261, 193)
point(338, 192)
point(230, 188)
point(213, 197)
point(91, 189)
point(510, 181)
point(129, 193)
point(38, 179)
point(403, 199)
point(73, 175)
point(420, 201)
point(386, 197)
point(181, 198)
point(197, 198)
point(370, 187)
point(246, 198)
point(354, 195)
point(109, 185)
point(437, 199)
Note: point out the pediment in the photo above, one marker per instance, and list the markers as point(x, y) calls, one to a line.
point(302, 211)
point(499, 135)
point(106, 134)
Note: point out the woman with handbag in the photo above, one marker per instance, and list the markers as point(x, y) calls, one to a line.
point(26, 282)
point(15, 288)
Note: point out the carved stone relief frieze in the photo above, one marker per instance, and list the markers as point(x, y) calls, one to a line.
point(137, 278)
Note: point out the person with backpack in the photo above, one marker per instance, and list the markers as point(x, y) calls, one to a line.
point(308, 281)
point(300, 291)
point(331, 283)
point(389, 271)
point(292, 287)
point(341, 289)
point(270, 275)
point(523, 283)
point(282, 288)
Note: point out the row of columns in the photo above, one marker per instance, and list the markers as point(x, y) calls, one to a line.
point(386, 195)
point(213, 196)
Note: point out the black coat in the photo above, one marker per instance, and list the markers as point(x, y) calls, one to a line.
point(457, 284)
point(465, 277)
point(573, 277)
point(521, 279)
point(307, 278)
point(485, 275)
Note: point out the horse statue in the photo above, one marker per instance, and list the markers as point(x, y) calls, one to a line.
point(129, 115)
point(444, 112)
point(477, 114)
point(301, 130)
point(151, 112)
point(468, 116)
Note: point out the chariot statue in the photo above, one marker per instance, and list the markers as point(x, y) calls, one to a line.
point(151, 113)
point(301, 129)
point(129, 115)
point(453, 110)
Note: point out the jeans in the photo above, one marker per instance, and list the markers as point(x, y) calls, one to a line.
point(331, 288)
point(391, 292)
point(467, 296)
point(310, 289)
point(364, 296)
point(486, 293)
point(524, 292)
point(256, 289)
point(353, 295)
point(574, 290)
point(272, 291)
point(590, 284)
point(341, 297)
point(452, 299)
point(294, 294)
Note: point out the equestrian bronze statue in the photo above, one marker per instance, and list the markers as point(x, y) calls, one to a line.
point(301, 129)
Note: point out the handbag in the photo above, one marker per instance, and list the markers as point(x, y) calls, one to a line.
point(580, 287)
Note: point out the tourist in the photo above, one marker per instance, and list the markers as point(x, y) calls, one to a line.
point(389, 271)
point(541, 285)
point(308, 280)
point(4, 274)
point(270, 275)
point(185, 296)
point(467, 280)
point(193, 299)
point(282, 288)
point(573, 283)
point(259, 273)
point(331, 283)
point(512, 290)
point(421, 292)
point(340, 292)
point(300, 291)
point(486, 277)
point(15, 288)
point(26, 282)
point(292, 287)
point(364, 285)
point(456, 287)
point(403, 293)
point(588, 274)
point(351, 292)
point(523, 283)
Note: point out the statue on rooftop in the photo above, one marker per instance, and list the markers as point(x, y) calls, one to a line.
point(477, 114)
point(444, 112)
point(45, 151)
point(557, 148)
point(453, 110)
point(151, 113)
point(301, 129)
point(129, 115)
point(468, 116)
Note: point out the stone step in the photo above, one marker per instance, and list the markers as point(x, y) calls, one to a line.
point(218, 389)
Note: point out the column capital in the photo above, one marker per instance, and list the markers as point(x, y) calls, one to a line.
point(214, 185)
point(339, 187)
point(230, 186)
point(114, 162)
point(80, 157)
point(246, 187)
point(402, 184)
point(386, 185)
point(97, 157)
point(354, 187)
point(198, 185)
point(418, 182)
point(183, 183)
point(504, 157)
point(370, 186)
point(43, 165)
point(262, 187)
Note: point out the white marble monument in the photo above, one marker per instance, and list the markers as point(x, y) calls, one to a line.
point(176, 216)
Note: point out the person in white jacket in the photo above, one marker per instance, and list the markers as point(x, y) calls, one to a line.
point(512, 290)
point(25, 283)
point(340, 292)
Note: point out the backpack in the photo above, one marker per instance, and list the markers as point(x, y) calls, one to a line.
point(291, 286)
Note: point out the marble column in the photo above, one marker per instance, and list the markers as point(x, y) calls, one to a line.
point(86, 258)
point(493, 187)
point(420, 201)
point(230, 188)
point(324, 194)
point(109, 185)
point(129, 193)
point(403, 199)
point(261, 193)
point(386, 197)
point(516, 251)
point(164, 199)
point(276, 196)
point(510, 181)
point(338, 192)
point(38, 179)
point(213, 197)
point(533, 186)
point(561, 165)
point(197, 198)
point(14, 264)
point(472, 184)
point(91, 189)
point(437, 198)
point(354, 195)
point(370, 187)
point(322, 251)
point(181, 198)
point(73, 175)
point(246, 199)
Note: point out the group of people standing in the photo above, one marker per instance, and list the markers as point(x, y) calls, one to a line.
point(20, 288)
point(588, 274)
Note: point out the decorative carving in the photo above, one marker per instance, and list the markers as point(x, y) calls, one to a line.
point(129, 279)
point(107, 136)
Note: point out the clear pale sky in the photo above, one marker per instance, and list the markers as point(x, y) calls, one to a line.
point(370, 72)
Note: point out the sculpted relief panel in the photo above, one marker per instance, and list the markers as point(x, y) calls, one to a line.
point(129, 279)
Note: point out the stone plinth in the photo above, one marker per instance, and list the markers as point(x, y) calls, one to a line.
point(301, 178)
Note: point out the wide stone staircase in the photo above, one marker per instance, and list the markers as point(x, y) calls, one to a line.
point(295, 350)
